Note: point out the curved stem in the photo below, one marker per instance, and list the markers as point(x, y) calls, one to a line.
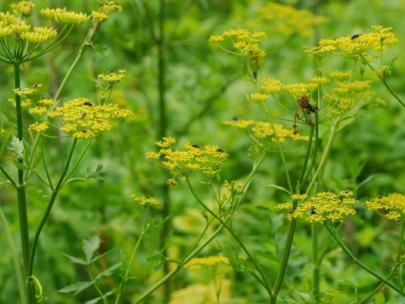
point(384, 82)
point(237, 239)
point(358, 262)
point(8, 176)
point(51, 202)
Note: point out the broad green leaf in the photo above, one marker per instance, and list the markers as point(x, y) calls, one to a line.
point(17, 146)
point(90, 246)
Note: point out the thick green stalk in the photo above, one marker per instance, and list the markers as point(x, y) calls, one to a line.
point(358, 262)
point(51, 202)
point(161, 80)
point(21, 194)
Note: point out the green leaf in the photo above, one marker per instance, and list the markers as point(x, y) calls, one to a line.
point(278, 188)
point(76, 287)
point(17, 146)
point(93, 301)
point(109, 271)
point(90, 246)
point(76, 260)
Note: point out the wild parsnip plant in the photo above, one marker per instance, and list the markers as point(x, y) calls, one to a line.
point(226, 152)
point(50, 117)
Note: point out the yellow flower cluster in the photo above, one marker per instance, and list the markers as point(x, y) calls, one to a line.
point(345, 93)
point(84, 120)
point(38, 127)
point(147, 201)
point(268, 86)
point(27, 92)
point(39, 34)
point(194, 158)
point(61, 15)
point(340, 75)
point(245, 42)
point(323, 207)
point(358, 44)
point(113, 77)
point(392, 206)
point(23, 7)
point(263, 131)
point(106, 9)
point(289, 21)
point(11, 25)
point(207, 262)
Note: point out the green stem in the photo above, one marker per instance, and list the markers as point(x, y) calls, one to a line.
point(358, 262)
point(304, 168)
point(10, 179)
point(384, 81)
point(168, 276)
point(234, 235)
point(51, 202)
point(284, 262)
point(131, 261)
point(21, 194)
point(325, 154)
point(83, 47)
point(315, 263)
point(161, 80)
point(316, 147)
point(14, 255)
point(397, 266)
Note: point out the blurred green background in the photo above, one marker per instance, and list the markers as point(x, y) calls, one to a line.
point(205, 86)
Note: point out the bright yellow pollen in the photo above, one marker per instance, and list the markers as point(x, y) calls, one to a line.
point(61, 15)
point(391, 206)
point(211, 261)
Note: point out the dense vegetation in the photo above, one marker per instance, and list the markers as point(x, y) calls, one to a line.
point(202, 151)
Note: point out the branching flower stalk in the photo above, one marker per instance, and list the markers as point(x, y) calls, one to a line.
point(196, 249)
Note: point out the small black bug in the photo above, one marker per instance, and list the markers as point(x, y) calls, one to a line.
point(87, 103)
point(312, 210)
point(355, 36)
point(220, 150)
point(196, 146)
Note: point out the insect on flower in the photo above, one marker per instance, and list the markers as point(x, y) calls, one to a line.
point(355, 36)
point(306, 106)
point(312, 210)
point(196, 146)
